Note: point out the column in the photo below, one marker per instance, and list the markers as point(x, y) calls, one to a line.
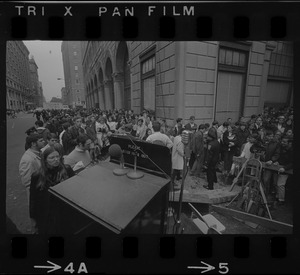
point(119, 89)
point(101, 96)
point(108, 94)
point(264, 78)
point(96, 97)
point(180, 68)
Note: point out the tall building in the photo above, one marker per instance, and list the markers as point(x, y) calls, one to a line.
point(18, 81)
point(41, 94)
point(73, 75)
point(64, 96)
point(35, 84)
point(211, 80)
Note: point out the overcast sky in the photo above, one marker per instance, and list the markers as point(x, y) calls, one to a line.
point(47, 56)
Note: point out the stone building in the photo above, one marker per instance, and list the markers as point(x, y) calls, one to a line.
point(41, 94)
point(18, 82)
point(73, 76)
point(210, 80)
point(64, 96)
point(35, 84)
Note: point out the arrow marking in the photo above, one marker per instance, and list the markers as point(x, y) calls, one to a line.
point(53, 266)
point(206, 268)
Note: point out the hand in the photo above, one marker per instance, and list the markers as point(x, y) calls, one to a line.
point(281, 170)
point(269, 162)
point(276, 163)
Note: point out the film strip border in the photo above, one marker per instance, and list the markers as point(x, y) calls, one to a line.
point(170, 254)
point(173, 254)
point(156, 21)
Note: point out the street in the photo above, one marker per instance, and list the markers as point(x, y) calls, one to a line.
point(16, 199)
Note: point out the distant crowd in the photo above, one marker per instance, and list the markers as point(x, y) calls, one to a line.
point(62, 142)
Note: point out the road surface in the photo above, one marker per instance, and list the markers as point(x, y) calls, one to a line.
point(16, 198)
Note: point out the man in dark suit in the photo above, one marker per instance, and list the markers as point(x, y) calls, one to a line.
point(178, 126)
point(212, 158)
point(191, 126)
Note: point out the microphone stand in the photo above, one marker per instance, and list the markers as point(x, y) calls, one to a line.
point(135, 174)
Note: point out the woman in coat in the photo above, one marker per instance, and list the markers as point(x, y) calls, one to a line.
point(51, 173)
point(177, 157)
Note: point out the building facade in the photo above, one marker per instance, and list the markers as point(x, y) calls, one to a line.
point(19, 93)
point(210, 80)
point(35, 83)
point(73, 75)
point(41, 94)
point(64, 96)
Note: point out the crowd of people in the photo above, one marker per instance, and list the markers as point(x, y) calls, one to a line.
point(62, 142)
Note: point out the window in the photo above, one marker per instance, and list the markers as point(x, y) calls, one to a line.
point(77, 81)
point(76, 68)
point(281, 63)
point(231, 57)
point(75, 53)
point(148, 81)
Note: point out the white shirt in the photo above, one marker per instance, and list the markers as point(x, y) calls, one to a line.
point(162, 137)
point(246, 151)
point(60, 136)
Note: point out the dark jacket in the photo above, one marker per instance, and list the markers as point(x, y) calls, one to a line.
point(197, 144)
point(242, 137)
point(40, 203)
point(272, 151)
point(68, 142)
point(177, 129)
point(75, 131)
point(286, 158)
point(189, 127)
point(226, 141)
point(51, 128)
point(91, 132)
point(44, 132)
point(213, 152)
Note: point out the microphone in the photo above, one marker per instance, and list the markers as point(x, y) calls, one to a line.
point(166, 175)
point(115, 151)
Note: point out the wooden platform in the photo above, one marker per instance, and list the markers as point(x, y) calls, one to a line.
point(207, 196)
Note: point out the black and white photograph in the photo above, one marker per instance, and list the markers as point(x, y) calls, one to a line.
point(149, 137)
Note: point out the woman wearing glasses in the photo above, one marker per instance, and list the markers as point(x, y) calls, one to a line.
point(52, 172)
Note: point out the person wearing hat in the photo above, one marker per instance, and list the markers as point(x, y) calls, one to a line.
point(51, 172)
point(212, 158)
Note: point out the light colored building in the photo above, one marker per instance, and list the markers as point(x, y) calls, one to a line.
point(73, 76)
point(18, 81)
point(53, 105)
point(211, 80)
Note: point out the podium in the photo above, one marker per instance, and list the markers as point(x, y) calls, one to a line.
point(95, 201)
point(147, 154)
